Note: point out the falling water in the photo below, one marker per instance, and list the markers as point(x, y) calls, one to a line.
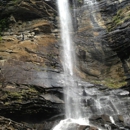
point(66, 30)
point(72, 98)
point(70, 88)
point(92, 7)
point(72, 94)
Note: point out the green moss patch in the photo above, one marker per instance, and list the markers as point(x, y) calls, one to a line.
point(19, 95)
point(110, 83)
point(3, 25)
point(121, 16)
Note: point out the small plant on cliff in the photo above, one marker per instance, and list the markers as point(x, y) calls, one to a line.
point(3, 25)
point(16, 1)
point(121, 16)
point(2, 79)
point(0, 38)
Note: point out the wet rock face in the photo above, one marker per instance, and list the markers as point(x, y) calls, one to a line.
point(28, 10)
point(118, 23)
point(96, 60)
point(104, 108)
point(11, 125)
point(29, 57)
point(40, 97)
point(30, 95)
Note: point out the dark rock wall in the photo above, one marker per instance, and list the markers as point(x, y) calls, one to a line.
point(118, 27)
point(97, 61)
point(30, 65)
point(27, 10)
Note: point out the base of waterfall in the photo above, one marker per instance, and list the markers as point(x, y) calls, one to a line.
point(78, 124)
point(72, 124)
point(96, 122)
point(75, 124)
point(101, 109)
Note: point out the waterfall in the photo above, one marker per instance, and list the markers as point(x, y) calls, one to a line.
point(66, 30)
point(70, 88)
point(72, 98)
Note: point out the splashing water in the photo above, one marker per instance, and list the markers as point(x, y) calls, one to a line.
point(112, 120)
point(70, 124)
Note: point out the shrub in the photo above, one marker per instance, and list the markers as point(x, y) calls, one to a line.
point(3, 24)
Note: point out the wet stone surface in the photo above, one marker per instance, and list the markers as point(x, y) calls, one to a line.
point(40, 97)
point(104, 107)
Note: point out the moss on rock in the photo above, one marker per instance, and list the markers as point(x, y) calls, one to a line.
point(110, 83)
point(121, 16)
point(10, 95)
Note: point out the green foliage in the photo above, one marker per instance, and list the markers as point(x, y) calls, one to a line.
point(5, 2)
point(15, 1)
point(3, 26)
point(20, 95)
point(119, 12)
point(111, 83)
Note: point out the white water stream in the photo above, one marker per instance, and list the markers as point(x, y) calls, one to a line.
point(66, 30)
point(69, 61)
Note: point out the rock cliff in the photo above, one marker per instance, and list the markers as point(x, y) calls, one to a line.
point(29, 57)
point(118, 32)
point(96, 36)
point(31, 79)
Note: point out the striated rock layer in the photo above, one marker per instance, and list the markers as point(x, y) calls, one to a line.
point(31, 79)
point(118, 27)
point(98, 62)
